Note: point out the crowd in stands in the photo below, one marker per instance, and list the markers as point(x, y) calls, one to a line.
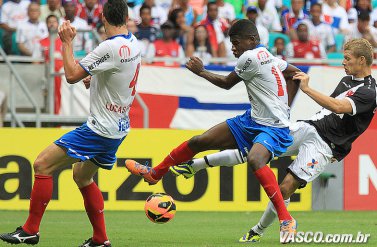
point(182, 28)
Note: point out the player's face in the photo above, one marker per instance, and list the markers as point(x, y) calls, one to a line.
point(240, 45)
point(352, 65)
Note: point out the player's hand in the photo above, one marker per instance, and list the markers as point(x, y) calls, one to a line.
point(304, 80)
point(66, 32)
point(195, 65)
point(86, 81)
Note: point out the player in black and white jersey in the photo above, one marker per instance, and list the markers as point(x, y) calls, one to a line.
point(325, 138)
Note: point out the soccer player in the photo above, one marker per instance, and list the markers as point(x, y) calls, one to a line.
point(113, 66)
point(325, 138)
point(260, 134)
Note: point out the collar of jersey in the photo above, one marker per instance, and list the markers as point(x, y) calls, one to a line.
point(259, 46)
point(128, 36)
point(360, 79)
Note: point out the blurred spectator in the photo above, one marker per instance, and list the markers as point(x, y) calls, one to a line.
point(90, 11)
point(293, 15)
point(101, 31)
point(3, 108)
point(268, 16)
point(360, 5)
point(319, 30)
point(201, 44)
point(190, 13)
point(277, 4)
point(52, 25)
point(131, 26)
point(30, 32)
point(303, 47)
point(198, 6)
point(373, 17)
point(53, 7)
point(238, 7)
point(147, 33)
point(336, 16)
point(13, 12)
point(165, 4)
point(166, 47)
point(226, 10)
point(278, 50)
point(185, 33)
point(82, 41)
point(252, 15)
point(363, 29)
point(159, 15)
point(215, 28)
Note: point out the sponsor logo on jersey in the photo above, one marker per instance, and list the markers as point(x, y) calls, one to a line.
point(312, 164)
point(116, 108)
point(246, 65)
point(98, 62)
point(130, 59)
point(263, 57)
point(349, 93)
point(124, 52)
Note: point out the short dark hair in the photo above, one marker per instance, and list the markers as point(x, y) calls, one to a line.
point(363, 15)
point(51, 16)
point(144, 6)
point(173, 16)
point(116, 12)
point(210, 3)
point(316, 4)
point(244, 28)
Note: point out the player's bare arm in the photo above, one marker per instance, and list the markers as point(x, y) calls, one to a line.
point(292, 85)
point(196, 66)
point(338, 106)
point(73, 71)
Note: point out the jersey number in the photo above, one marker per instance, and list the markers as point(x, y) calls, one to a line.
point(278, 80)
point(134, 80)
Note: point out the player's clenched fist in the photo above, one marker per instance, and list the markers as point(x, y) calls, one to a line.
point(66, 32)
point(195, 65)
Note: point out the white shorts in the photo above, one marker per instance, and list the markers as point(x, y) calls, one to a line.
point(313, 153)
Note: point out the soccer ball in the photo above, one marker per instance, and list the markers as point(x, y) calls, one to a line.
point(160, 208)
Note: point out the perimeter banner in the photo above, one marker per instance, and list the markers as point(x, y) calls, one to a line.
point(215, 189)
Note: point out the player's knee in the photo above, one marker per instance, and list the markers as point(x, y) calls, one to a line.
point(196, 143)
point(80, 179)
point(255, 162)
point(40, 166)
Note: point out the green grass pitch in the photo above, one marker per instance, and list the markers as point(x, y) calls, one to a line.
point(197, 229)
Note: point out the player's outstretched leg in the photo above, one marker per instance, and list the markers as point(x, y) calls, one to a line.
point(180, 154)
point(224, 158)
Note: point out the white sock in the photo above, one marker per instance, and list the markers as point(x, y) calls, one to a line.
point(223, 158)
point(267, 218)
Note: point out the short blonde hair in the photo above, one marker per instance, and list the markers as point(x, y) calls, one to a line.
point(360, 48)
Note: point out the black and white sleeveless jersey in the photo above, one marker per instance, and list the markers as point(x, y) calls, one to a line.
point(340, 130)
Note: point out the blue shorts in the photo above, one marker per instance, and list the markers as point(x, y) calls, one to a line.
point(84, 144)
point(247, 132)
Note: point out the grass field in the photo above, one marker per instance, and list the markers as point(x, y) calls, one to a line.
point(197, 229)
